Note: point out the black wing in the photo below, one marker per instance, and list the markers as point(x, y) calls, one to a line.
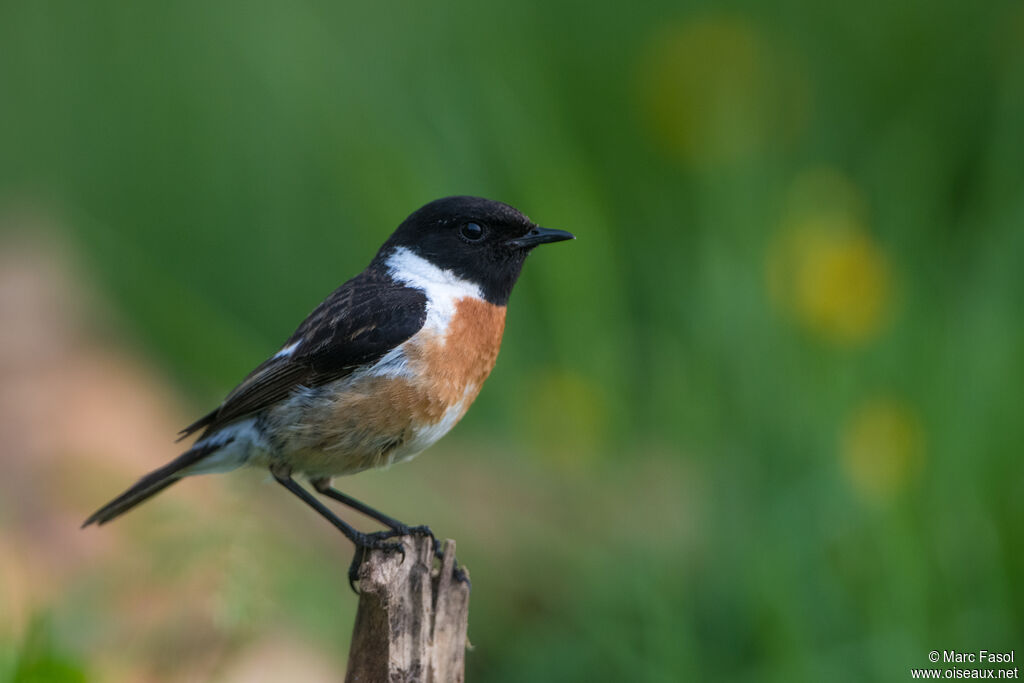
point(357, 324)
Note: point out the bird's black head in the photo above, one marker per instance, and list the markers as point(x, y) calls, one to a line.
point(482, 241)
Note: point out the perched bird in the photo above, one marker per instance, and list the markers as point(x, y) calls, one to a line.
point(378, 372)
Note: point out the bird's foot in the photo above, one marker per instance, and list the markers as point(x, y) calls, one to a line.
point(461, 576)
point(381, 541)
point(367, 542)
point(421, 530)
point(424, 530)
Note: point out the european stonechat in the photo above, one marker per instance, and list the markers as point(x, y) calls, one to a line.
point(378, 372)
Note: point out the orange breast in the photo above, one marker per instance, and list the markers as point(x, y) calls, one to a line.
point(454, 365)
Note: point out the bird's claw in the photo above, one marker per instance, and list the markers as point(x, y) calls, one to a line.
point(379, 541)
point(421, 530)
point(461, 576)
point(424, 530)
point(367, 542)
point(457, 570)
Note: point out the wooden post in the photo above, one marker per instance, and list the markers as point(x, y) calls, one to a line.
point(411, 621)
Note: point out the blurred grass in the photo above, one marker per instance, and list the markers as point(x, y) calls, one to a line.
point(794, 304)
point(40, 662)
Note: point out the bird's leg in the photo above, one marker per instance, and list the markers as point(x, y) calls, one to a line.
point(362, 542)
point(323, 486)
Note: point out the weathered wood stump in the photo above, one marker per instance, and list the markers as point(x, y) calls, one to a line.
point(411, 621)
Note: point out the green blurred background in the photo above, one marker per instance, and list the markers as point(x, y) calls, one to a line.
point(761, 421)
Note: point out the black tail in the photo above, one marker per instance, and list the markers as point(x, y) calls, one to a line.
point(152, 484)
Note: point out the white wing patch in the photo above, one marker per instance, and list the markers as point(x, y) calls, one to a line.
point(288, 350)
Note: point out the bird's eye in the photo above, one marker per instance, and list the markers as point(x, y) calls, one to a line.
point(471, 232)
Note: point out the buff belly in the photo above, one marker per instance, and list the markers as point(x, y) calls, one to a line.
point(361, 424)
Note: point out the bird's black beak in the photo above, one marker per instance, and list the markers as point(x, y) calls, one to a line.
point(540, 236)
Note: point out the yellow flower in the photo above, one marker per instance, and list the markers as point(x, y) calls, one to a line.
point(882, 448)
point(714, 91)
point(824, 267)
